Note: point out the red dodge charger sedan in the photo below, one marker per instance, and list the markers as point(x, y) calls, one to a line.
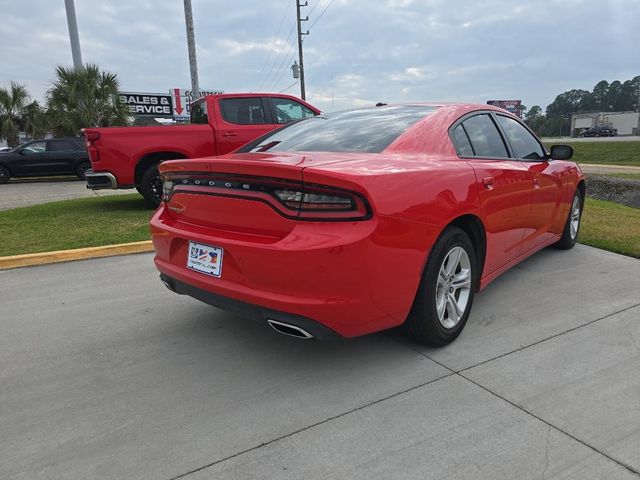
point(359, 221)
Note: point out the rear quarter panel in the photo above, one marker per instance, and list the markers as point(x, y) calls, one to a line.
point(413, 199)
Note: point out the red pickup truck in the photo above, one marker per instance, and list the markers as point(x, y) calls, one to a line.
point(128, 157)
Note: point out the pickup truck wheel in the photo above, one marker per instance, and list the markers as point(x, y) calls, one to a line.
point(151, 186)
point(82, 169)
point(5, 174)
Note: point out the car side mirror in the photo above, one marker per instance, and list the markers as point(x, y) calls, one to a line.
point(22, 151)
point(561, 152)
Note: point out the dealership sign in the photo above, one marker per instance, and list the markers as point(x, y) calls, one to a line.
point(155, 104)
point(511, 106)
point(182, 99)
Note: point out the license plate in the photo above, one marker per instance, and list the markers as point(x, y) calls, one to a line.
point(205, 259)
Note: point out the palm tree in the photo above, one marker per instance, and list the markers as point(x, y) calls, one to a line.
point(12, 104)
point(35, 120)
point(85, 97)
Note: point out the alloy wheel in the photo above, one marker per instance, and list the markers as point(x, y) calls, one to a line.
point(454, 287)
point(574, 223)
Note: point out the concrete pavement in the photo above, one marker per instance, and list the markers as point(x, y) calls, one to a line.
point(106, 374)
point(25, 192)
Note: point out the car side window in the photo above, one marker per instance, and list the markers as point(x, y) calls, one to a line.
point(198, 112)
point(484, 137)
point(461, 142)
point(288, 110)
point(35, 147)
point(59, 146)
point(523, 143)
point(243, 111)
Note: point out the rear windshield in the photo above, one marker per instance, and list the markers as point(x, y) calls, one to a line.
point(365, 130)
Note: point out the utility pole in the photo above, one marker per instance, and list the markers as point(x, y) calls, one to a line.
point(300, 34)
point(191, 45)
point(74, 38)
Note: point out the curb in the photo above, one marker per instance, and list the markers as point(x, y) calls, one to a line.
point(31, 259)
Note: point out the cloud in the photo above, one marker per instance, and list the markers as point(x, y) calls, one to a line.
point(359, 52)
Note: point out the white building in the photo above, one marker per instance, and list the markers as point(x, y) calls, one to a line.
point(627, 123)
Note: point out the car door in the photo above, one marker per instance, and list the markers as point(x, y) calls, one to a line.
point(30, 160)
point(547, 181)
point(504, 186)
point(241, 121)
point(60, 157)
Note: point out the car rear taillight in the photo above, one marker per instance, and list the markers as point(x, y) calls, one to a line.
point(289, 198)
point(314, 201)
point(91, 137)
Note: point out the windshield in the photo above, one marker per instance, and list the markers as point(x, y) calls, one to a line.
point(366, 130)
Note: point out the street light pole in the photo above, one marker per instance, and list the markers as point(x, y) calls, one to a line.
point(74, 38)
point(191, 45)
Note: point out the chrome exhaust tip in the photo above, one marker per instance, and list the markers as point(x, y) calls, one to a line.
point(167, 284)
point(288, 329)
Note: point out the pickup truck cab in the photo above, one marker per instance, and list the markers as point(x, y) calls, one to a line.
point(128, 157)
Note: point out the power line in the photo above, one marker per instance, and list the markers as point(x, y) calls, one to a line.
point(268, 57)
point(268, 79)
point(321, 14)
point(314, 7)
point(293, 84)
point(284, 67)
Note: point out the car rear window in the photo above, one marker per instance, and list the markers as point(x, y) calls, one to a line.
point(366, 130)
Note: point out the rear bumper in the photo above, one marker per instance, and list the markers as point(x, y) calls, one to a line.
point(352, 278)
point(100, 180)
point(247, 310)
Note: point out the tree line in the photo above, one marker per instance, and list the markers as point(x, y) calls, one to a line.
point(605, 97)
point(78, 98)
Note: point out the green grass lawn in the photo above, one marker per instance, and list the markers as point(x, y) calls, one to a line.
point(85, 222)
point(611, 226)
point(91, 222)
point(612, 153)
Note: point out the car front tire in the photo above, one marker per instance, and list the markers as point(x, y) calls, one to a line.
point(446, 291)
point(572, 225)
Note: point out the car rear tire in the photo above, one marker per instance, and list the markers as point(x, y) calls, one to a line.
point(82, 168)
point(5, 174)
point(151, 186)
point(446, 291)
point(572, 225)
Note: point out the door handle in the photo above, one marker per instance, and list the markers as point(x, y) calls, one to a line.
point(488, 182)
point(229, 134)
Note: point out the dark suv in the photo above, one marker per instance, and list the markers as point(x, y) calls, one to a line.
point(599, 132)
point(54, 156)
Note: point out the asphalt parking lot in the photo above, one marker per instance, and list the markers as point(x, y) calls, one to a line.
point(106, 374)
point(32, 191)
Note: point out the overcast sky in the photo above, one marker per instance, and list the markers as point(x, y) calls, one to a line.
point(358, 52)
